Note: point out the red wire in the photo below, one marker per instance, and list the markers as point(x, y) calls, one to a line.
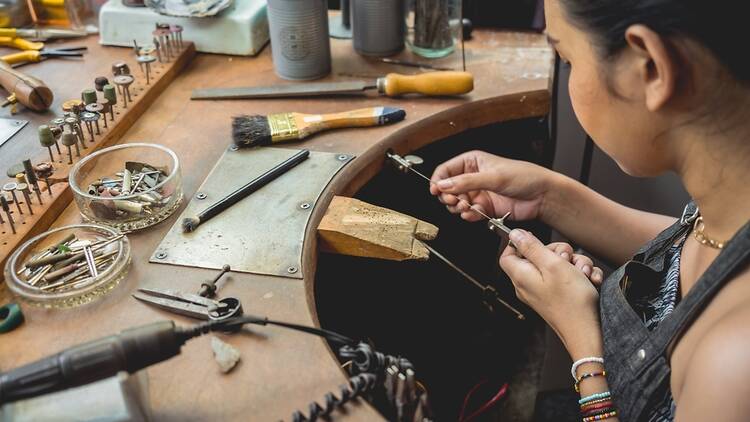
point(485, 407)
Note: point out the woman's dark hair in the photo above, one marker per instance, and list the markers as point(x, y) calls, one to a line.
point(715, 24)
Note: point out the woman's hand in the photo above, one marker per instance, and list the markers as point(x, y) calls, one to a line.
point(493, 184)
point(557, 289)
point(583, 263)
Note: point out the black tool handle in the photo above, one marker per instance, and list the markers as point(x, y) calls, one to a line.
point(130, 351)
point(253, 185)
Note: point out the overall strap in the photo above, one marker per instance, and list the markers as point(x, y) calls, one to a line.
point(733, 258)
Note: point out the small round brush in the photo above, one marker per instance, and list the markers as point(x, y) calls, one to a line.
point(249, 131)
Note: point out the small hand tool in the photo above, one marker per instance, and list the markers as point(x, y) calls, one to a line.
point(27, 90)
point(6, 208)
point(191, 223)
point(496, 225)
point(47, 139)
point(31, 178)
point(111, 95)
point(42, 34)
point(490, 294)
point(69, 139)
point(11, 187)
point(208, 288)
point(131, 350)
point(391, 85)
point(190, 304)
point(33, 56)
point(24, 188)
point(249, 131)
point(124, 82)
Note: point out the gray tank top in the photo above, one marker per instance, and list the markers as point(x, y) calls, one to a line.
point(636, 348)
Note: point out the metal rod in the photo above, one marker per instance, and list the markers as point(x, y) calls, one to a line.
point(481, 286)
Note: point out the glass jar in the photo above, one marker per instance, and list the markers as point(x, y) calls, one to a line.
point(108, 245)
point(433, 27)
point(129, 186)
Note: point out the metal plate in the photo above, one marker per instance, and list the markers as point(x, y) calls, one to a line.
point(263, 233)
point(9, 127)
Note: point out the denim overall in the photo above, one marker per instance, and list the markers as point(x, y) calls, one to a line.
point(636, 359)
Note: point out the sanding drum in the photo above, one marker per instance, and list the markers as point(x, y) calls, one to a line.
point(299, 38)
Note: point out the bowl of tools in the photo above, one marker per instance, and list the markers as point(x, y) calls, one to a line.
point(128, 187)
point(68, 266)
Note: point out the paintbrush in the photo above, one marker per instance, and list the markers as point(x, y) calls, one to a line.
point(191, 223)
point(249, 131)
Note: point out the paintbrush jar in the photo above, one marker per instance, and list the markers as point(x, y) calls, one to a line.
point(300, 45)
point(378, 26)
point(433, 27)
point(37, 285)
point(128, 187)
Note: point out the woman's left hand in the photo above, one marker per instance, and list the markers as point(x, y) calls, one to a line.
point(556, 289)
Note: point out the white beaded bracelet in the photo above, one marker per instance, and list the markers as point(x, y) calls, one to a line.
point(579, 362)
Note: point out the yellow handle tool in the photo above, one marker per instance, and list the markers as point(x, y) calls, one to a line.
point(22, 57)
point(20, 43)
point(430, 83)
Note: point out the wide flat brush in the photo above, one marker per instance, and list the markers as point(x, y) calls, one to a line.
point(249, 131)
point(191, 223)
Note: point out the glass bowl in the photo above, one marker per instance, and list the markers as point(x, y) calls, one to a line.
point(110, 253)
point(151, 193)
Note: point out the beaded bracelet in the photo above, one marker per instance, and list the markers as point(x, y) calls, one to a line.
point(596, 412)
point(593, 397)
point(588, 375)
point(611, 414)
point(579, 362)
point(596, 402)
point(596, 406)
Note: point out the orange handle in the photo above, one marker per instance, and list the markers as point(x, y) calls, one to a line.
point(30, 91)
point(309, 124)
point(430, 83)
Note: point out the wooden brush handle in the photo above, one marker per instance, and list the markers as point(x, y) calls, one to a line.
point(430, 83)
point(309, 124)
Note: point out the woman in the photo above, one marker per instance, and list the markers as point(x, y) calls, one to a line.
point(660, 85)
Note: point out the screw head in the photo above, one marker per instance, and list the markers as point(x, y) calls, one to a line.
point(343, 157)
point(304, 205)
point(291, 270)
point(161, 255)
point(234, 148)
point(201, 196)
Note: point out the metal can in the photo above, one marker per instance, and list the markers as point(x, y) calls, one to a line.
point(299, 38)
point(378, 26)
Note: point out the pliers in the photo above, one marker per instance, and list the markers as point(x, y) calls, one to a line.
point(34, 56)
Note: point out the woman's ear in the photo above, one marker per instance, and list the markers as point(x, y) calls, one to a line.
point(657, 67)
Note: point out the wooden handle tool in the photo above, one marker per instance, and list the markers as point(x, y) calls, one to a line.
point(431, 83)
point(29, 91)
point(266, 130)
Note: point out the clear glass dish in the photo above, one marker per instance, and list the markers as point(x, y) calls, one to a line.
point(114, 255)
point(155, 191)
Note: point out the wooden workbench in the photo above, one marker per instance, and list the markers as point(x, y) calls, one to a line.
point(280, 370)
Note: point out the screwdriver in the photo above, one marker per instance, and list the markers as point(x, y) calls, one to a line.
point(29, 91)
point(392, 85)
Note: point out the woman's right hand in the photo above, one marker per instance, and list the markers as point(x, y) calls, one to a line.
point(493, 184)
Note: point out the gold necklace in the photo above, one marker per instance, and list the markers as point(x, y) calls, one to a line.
point(701, 237)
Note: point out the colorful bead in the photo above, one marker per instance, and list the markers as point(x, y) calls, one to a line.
point(588, 375)
point(593, 397)
point(611, 414)
point(597, 406)
point(595, 402)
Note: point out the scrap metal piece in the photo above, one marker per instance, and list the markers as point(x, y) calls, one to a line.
point(263, 233)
